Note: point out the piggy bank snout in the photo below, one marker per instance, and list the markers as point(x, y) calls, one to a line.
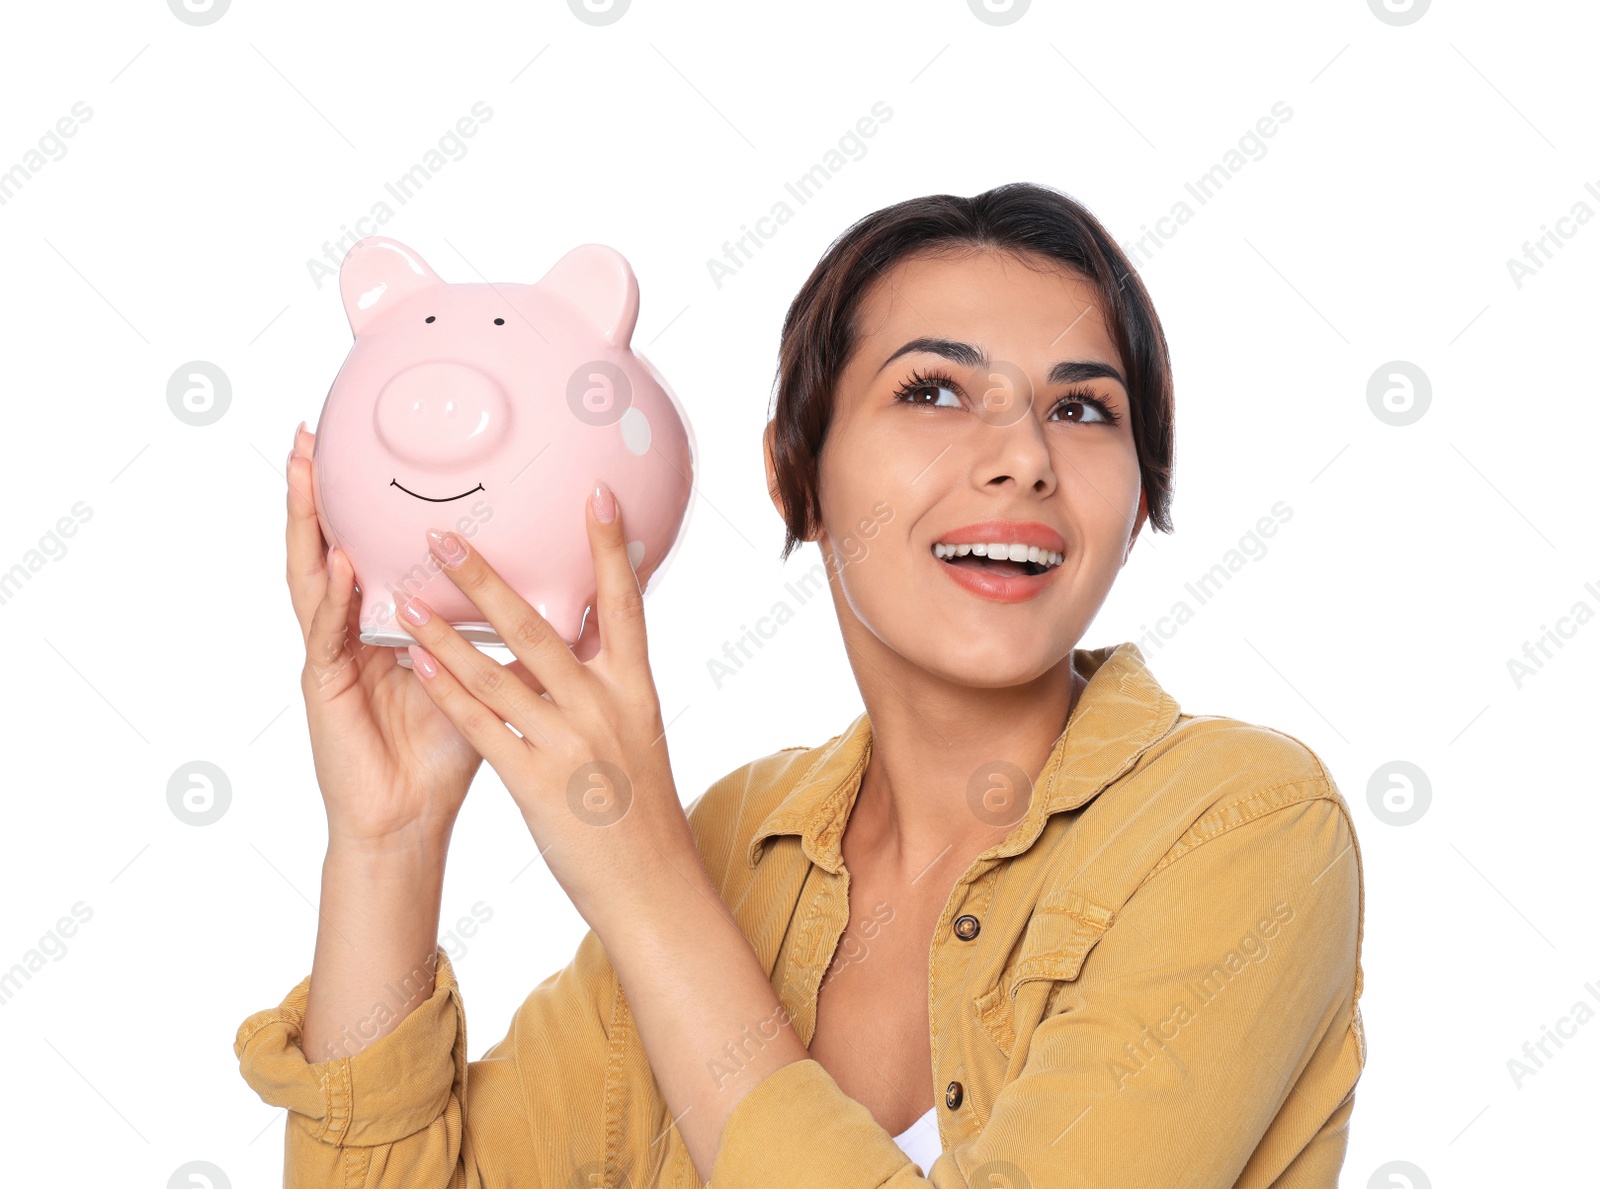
point(442, 414)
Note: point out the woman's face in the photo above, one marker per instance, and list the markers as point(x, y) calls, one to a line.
point(984, 405)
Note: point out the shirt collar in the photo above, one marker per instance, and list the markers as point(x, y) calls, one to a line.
point(1121, 712)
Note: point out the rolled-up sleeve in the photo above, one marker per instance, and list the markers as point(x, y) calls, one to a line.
point(1227, 975)
point(409, 1111)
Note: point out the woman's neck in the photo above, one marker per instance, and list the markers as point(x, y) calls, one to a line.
point(950, 770)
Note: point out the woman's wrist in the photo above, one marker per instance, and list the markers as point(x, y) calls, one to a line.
point(417, 848)
point(379, 926)
point(657, 872)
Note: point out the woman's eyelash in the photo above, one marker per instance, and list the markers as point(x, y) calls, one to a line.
point(936, 378)
point(922, 379)
point(1084, 396)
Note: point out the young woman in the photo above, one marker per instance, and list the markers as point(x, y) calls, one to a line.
point(1021, 922)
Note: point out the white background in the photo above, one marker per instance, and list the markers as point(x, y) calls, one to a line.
point(1418, 560)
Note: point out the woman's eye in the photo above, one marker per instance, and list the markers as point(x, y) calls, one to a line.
point(1080, 410)
point(915, 395)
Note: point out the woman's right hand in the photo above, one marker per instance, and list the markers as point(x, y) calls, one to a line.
point(391, 766)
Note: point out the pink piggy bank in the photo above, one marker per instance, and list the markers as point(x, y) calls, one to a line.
point(491, 410)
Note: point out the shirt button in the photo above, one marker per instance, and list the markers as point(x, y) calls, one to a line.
point(952, 1095)
point(966, 927)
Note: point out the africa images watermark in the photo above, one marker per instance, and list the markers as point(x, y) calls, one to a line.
point(738, 252)
point(410, 991)
point(52, 945)
point(1531, 1062)
point(1251, 547)
point(1253, 947)
point(736, 1054)
point(1536, 653)
point(1539, 252)
point(50, 548)
point(741, 650)
point(450, 147)
point(1252, 146)
point(50, 147)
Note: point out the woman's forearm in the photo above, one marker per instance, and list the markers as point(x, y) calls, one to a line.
point(377, 938)
point(711, 1024)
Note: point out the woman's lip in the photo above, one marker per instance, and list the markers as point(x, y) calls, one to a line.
point(1008, 532)
point(997, 588)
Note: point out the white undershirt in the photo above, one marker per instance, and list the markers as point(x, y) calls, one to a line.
point(920, 1141)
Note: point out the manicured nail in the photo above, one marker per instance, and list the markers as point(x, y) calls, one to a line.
point(422, 660)
point(447, 548)
point(414, 610)
point(605, 504)
point(288, 462)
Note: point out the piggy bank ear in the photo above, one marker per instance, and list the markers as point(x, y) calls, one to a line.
point(377, 274)
point(598, 283)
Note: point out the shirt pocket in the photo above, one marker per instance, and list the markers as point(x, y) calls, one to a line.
point(1057, 939)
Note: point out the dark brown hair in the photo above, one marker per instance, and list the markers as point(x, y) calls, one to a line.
point(819, 331)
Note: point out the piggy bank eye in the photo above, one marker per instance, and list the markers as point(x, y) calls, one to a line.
point(499, 321)
point(429, 318)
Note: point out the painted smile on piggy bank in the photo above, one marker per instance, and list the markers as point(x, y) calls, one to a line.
point(501, 405)
point(434, 499)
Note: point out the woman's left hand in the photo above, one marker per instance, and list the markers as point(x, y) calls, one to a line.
point(591, 773)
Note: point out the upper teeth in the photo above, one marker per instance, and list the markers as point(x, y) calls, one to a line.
point(1012, 552)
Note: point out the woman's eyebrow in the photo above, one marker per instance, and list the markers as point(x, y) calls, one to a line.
point(1066, 371)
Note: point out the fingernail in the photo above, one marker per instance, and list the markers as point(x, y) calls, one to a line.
point(288, 462)
point(422, 660)
point(447, 548)
point(605, 504)
point(414, 610)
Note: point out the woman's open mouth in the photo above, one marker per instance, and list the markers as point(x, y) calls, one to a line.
point(997, 571)
point(996, 558)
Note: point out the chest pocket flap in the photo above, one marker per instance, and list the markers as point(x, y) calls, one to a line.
point(1054, 945)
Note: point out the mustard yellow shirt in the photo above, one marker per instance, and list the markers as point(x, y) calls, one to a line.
point(1152, 981)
